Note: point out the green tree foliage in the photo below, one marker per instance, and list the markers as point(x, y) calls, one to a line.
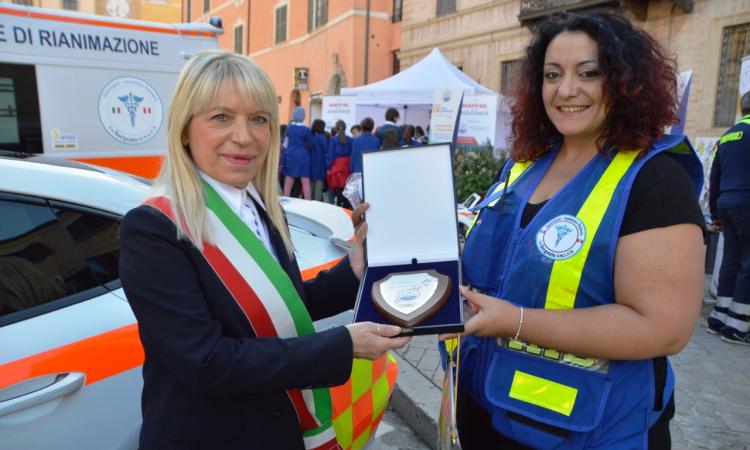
point(475, 169)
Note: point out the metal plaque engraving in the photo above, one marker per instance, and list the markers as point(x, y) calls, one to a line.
point(409, 298)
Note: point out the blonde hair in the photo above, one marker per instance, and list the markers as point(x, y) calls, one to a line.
point(179, 180)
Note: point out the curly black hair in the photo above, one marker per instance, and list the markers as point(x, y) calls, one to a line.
point(639, 85)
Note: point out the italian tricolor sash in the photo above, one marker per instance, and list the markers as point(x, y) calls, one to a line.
point(267, 297)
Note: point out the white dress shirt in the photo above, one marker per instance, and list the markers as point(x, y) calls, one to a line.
point(240, 201)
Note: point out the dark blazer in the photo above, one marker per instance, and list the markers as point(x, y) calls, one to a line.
point(209, 383)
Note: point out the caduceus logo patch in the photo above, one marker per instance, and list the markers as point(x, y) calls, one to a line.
point(561, 237)
point(130, 110)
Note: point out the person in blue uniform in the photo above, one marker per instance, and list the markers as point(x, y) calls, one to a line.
point(365, 141)
point(338, 161)
point(585, 263)
point(391, 120)
point(729, 203)
point(318, 149)
point(297, 157)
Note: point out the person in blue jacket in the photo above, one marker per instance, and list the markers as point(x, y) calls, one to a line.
point(585, 263)
point(365, 141)
point(391, 119)
point(338, 161)
point(297, 156)
point(318, 151)
point(729, 203)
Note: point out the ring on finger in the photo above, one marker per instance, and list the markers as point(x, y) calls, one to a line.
point(378, 325)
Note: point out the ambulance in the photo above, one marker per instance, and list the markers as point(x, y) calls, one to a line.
point(91, 88)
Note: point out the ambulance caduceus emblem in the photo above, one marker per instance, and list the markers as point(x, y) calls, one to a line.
point(561, 237)
point(130, 110)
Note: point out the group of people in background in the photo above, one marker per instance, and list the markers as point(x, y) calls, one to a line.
point(315, 161)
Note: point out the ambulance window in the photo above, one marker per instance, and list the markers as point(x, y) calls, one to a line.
point(96, 236)
point(20, 126)
point(40, 265)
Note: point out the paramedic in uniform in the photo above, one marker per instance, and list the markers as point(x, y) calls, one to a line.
point(729, 202)
point(588, 251)
point(232, 360)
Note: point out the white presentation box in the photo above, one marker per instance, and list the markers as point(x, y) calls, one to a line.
point(412, 227)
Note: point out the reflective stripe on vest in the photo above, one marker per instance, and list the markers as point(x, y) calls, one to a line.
point(543, 393)
point(515, 171)
point(566, 273)
point(735, 135)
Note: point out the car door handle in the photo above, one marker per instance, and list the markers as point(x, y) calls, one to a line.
point(66, 384)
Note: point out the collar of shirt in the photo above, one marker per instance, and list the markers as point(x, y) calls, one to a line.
point(234, 196)
point(388, 122)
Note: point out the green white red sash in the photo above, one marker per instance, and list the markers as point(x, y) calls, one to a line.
point(266, 295)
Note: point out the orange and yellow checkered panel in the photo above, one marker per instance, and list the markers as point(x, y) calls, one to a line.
point(359, 405)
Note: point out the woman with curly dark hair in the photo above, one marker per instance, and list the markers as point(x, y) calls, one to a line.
point(586, 260)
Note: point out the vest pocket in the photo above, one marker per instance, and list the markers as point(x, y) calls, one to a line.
point(548, 392)
point(486, 248)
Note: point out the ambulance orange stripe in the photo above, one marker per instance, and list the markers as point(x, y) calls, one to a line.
point(99, 357)
point(143, 166)
point(102, 23)
point(311, 272)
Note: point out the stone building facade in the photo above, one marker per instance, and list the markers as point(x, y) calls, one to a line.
point(309, 48)
point(487, 37)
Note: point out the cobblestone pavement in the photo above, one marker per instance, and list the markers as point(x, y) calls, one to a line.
point(395, 434)
point(712, 396)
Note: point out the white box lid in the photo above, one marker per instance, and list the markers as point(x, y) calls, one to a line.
point(412, 205)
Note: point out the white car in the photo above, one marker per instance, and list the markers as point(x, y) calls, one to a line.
point(70, 357)
point(465, 215)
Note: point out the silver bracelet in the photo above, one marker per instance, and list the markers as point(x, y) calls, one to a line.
point(520, 324)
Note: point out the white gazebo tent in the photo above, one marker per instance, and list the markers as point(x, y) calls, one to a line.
point(412, 91)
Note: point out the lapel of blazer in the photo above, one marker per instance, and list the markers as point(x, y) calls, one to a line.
point(289, 264)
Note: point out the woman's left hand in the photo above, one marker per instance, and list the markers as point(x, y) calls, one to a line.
point(494, 317)
point(358, 215)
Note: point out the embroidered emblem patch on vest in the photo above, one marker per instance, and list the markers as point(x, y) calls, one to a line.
point(561, 237)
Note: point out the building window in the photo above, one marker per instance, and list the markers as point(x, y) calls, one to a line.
point(188, 6)
point(509, 71)
point(206, 6)
point(239, 33)
point(445, 7)
point(281, 24)
point(317, 14)
point(398, 10)
point(71, 5)
point(396, 63)
point(24, 2)
point(732, 48)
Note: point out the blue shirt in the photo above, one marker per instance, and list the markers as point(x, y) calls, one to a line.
point(338, 150)
point(318, 157)
point(730, 171)
point(365, 141)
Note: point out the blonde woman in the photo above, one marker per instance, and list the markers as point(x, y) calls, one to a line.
point(232, 359)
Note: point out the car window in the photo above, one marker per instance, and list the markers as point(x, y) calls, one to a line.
point(39, 262)
point(96, 239)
